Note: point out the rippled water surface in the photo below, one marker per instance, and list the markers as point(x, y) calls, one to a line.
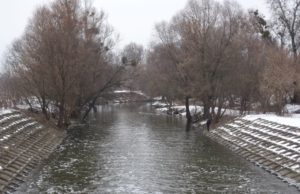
point(128, 149)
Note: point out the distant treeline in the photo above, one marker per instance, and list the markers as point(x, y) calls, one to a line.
point(225, 57)
point(216, 53)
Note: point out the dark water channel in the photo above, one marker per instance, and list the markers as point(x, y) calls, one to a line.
point(128, 149)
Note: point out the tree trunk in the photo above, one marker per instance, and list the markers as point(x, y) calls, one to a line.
point(207, 105)
point(30, 105)
point(187, 108)
point(60, 116)
point(44, 109)
point(296, 97)
point(219, 111)
point(243, 105)
point(91, 105)
point(206, 110)
point(95, 109)
point(45, 112)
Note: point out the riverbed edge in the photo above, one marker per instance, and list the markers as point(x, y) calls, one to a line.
point(28, 158)
point(250, 157)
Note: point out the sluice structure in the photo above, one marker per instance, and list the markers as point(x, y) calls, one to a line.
point(270, 145)
point(24, 143)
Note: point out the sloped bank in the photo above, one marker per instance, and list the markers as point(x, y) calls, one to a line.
point(270, 145)
point(269, 141)
point(24, 143)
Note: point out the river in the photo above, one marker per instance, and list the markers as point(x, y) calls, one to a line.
point(131, 149)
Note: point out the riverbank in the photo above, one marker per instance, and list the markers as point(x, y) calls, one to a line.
point(271, 145)
point(269, 141)
point(25, 141)
point(128, 149)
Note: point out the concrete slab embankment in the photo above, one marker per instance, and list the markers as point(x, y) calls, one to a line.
point(270, 145)
point(24, 143)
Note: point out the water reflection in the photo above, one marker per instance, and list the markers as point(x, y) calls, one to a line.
point(129, 149)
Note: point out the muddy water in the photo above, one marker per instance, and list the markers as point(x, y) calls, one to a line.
point(130, 149)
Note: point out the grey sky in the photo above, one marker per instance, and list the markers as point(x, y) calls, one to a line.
point(132, 19)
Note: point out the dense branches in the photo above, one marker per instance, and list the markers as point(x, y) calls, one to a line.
point(64, 58)
point(218, 54)
point(212, 52)
point(287, 22)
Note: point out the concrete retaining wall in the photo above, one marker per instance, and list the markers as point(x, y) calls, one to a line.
point(24, 143)
point(272, 146)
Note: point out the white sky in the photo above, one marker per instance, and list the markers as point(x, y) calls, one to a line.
point(134, 20)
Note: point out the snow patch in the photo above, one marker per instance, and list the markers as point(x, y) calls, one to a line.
point(292, 108)
point(129, 91)
point(6, 111)
point(290, 121)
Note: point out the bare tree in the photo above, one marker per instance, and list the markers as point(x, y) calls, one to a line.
point(207, 30)
point(277, 79)
point(213, 52)
point(287, 16)
point(159, 77)
point(65, 58)
point(286, 25)
point(132, 56)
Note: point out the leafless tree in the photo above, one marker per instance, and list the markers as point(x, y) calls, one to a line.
point(278, 76)
point(287, 21)
point(132, 56)
point(202, 36)
point(65, 58)
point(213, 52)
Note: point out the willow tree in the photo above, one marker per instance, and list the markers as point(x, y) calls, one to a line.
point(200, 42)
point(286, 25)
point(286, 22)
point(64, 57)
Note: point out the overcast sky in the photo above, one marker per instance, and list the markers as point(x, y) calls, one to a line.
point(132, 19)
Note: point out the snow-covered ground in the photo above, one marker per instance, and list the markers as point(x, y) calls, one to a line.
point(180, 110)
point(6, 111)
point(194, 109)
point(158, 104)
point(292, 108)
point(291, 120)
point(129, 91)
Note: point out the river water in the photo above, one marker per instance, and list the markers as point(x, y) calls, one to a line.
point(130, 149)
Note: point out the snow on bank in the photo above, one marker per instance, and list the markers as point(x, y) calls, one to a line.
point(293, 120)
point(129, 91)
point(267, 140)
point(177, 110)
point(292, 108)
point(194, 109)
point(158, 104)
point(6, 111)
